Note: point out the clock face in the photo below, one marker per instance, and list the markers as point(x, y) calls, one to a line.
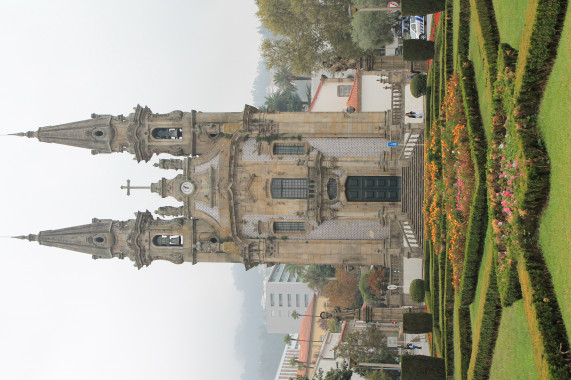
point(187, 187)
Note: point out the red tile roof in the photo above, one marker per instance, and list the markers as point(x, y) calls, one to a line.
point(305, 336)
point(316, 94)
point(354, 95)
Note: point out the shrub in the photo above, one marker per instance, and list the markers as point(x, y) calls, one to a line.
point(372, 30)
point(417, 323)
point(418, 85)
point(422, 7)
point(417, 50)
point(417, 290)
point(427, 367)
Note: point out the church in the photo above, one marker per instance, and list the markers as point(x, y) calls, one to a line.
point(258, 187)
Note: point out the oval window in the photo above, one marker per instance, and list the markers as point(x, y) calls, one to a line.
point(99, 239)
point(98, 133)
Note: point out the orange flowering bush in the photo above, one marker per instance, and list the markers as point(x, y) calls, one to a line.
point(458, 175)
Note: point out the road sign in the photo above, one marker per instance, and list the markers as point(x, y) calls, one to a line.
point(393, 143)
point(392, 287)
point(392, 4)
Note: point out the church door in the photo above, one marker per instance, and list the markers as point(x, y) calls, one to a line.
point(373, 189)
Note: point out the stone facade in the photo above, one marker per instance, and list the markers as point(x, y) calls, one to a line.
point(254, 187)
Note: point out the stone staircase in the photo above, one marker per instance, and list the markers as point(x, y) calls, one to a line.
point(413, 189)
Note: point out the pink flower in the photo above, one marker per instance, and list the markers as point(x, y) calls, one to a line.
point(509, 181)
point(500, 223)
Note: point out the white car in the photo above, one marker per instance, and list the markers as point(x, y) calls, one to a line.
point(417, 27)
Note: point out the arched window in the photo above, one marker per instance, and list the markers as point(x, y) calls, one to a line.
point(167, 133)
point(167, 240)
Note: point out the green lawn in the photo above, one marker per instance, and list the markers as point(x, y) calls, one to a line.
point(510, 16)
point(513, 355)
point(555, 124)
point(484, 267)
point(483, 92)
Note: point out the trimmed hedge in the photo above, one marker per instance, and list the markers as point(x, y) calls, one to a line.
point(421, 7)
point(417, 323)
point(463, 337)
point(475, 234)
point(418, 85)
point(488, 35)
point(417, 50)
point(416, 290)
point(414, 367)
point(489, 314)
point(448, 313)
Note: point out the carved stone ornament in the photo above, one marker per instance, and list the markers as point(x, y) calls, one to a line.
point(171, 163)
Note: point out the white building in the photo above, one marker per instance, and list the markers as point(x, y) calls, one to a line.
point(283, 293)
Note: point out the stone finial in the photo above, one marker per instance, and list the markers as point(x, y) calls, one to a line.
point(30, 237)
point(29, 134)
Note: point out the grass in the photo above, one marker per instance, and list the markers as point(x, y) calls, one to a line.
point(510, 16)
point(513, 356)
point(484, 91)
point(555, 125)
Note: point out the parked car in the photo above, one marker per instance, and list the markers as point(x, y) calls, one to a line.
point(417, 27)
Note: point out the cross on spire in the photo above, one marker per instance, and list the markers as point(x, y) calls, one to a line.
point(129, 187)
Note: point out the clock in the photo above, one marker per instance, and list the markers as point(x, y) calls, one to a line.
point(187, 188)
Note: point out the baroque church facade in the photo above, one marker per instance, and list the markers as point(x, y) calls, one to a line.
point(254, 187)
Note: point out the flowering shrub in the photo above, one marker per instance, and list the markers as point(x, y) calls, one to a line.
point(504, 178)
point(458, 175)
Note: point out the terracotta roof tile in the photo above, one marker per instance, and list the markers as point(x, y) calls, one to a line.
point(354, 95)
point(305, 335)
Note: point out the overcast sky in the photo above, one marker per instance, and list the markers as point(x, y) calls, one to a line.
point(63, 315)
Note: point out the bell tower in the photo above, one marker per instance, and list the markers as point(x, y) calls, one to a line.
point(143, 240)
point(144, 133)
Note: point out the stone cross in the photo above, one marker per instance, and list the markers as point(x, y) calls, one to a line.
point(129, 187)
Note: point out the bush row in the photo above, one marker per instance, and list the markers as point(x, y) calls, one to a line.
point(448, 311)
point(417, 323)
point(463, 335)
point(488, 35)
point(430, 368)
point(463, 30)
point(536, 58)
point(448, 56)
point(487, 324)
point(507, 276)
point(478, 215)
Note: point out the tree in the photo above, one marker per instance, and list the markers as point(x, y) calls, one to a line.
point(422, 7)
point(377, 281)
point(416, 290)
point(295, 269)
point(342, 373)
point(317, 276)
point(377, 375)
point(282, 79)
point(372, 30)
point(284, 101)
point(365, 346)
point(309, 33)
point(288, 339)
point(418, 85)
point(344, 290)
